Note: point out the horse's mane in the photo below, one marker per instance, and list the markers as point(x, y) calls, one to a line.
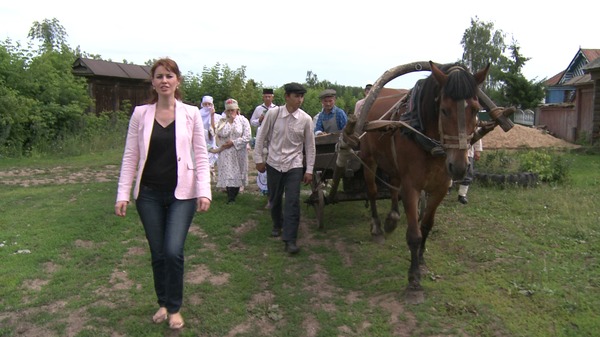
point(461, 84)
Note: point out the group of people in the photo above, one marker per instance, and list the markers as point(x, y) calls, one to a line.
point(172, 150)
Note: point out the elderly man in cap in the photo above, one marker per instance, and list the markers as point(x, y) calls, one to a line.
point(256, 119)
point(259, 112)
point(286, 132)
point(331, 118)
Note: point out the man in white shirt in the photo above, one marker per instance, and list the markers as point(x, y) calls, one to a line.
point(261, 110)
point(256, 120)
point(286, 132)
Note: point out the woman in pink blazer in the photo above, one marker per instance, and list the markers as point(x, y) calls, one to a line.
point(166, 153)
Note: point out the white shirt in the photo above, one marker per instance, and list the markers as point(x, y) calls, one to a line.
point(475, 147)
point(258, 111)
point(287, 135)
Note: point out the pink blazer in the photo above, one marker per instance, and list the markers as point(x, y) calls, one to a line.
point(193, 172)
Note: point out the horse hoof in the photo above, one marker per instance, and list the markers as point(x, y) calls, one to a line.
point(394, 216)
point(414, 296)
point(390, 226)
point(380, 239)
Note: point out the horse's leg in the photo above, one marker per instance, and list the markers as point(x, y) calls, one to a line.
point(369, 175)
point(391, 222)
point(410, 201)
point(427, 220)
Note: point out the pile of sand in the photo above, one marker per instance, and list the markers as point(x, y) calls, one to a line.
point(522, 137)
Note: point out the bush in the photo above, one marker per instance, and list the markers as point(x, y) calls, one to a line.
point(550, 167)
point(497, 162)
point(547, 165)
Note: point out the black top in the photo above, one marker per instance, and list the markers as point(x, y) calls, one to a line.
point(160, 170)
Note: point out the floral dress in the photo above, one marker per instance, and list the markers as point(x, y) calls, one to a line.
point(232, 163)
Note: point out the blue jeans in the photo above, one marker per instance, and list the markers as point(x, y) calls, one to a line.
point(166, 222)
point(286, 217)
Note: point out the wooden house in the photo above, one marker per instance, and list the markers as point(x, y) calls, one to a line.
point(593, 69)
point(111, 84)
point(568, 110)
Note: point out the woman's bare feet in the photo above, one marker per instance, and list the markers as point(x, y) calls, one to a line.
point(160, 316)
point(176, 321)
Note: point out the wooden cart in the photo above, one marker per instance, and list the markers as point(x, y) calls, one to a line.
point(351, 179)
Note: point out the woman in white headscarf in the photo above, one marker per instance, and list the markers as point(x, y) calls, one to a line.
point(210, 120)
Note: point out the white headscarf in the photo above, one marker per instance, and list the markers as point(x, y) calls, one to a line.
point(205, 112)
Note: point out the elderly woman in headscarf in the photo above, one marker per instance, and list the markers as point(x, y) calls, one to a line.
point(210, 120)
point(233, 134)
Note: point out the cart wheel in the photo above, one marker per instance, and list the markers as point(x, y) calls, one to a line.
point(320, 207)
point(319, 203)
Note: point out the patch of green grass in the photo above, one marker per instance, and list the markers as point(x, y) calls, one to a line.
point(513, 262)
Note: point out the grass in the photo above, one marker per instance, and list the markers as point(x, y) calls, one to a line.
point(513, 262)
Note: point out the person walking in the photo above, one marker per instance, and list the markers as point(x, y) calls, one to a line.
point(473, 154)
point(233, 136)
point(261, 110)
point(210, 120)
point(287, 132)
point(165, 152)
point(256, 120)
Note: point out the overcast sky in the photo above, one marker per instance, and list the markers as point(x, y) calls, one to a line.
point(279, 41)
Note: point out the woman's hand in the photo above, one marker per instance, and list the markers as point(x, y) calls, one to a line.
point(202, 204)
point(121, 208)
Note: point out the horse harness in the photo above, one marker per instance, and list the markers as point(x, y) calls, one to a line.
point(463, 140)
point(446, 141)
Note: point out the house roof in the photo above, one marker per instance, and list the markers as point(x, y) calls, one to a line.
point(592, 66)
point(591, 54)
point(554, 79)
point(579, 80)
point(575, 67)
point(90, 67)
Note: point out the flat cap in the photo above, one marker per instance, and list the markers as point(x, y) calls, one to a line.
point(267, 91)
point(294, 88)
point(327, 93)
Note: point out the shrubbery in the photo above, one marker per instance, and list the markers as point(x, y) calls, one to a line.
point(41, 102)
point(549, 166)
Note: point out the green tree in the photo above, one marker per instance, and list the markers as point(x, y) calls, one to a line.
point(506, 84)
point(50, 33)
point(483, 45)
point(516, 90)
point(41, 101)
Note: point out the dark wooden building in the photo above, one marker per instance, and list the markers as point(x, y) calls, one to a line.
point(111, 84)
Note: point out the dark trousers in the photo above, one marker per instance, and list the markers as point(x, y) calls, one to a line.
point(285, 215)
point(166, 222)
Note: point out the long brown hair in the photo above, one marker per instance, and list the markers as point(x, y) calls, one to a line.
point(171, 66)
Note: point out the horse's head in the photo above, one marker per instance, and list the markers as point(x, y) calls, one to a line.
point(457, 107)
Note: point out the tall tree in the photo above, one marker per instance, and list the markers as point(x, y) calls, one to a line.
point(506, 85)
point(50, 33)
point(482, 45)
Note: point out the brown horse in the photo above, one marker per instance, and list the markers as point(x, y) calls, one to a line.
point(448, 106)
